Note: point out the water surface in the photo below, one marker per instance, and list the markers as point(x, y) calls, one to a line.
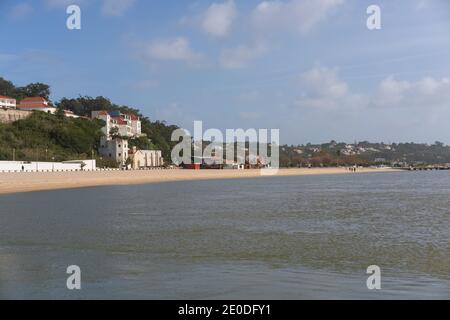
point(309, 237)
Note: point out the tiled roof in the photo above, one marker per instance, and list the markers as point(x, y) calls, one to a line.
point(132, 116)
point(119, 120)
point(5, 97)
point(102, 113)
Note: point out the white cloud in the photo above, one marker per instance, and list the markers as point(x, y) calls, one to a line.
point(116, 8)
point(425, 93)
point(239, 57)
point(297, 15)
point(178, 49)
point(219, 18)
point(21, 10)
point(322, 88)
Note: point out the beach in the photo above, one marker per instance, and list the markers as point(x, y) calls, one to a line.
point(31, 182)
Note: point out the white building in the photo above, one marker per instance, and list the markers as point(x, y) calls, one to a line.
point(27, 166)
point(146, 158)
point(103, 115)
point(36, 104)
point(127, 126)
point(114, 149)
point(7, 102)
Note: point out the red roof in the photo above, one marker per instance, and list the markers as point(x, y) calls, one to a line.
point(5, 97)
point(119, 120)
point(132, 116)
point(102, 113)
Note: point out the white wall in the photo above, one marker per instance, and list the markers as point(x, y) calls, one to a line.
point(16, 166)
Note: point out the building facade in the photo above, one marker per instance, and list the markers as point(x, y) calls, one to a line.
point(114, 149)
point(36, 104)
point(141, 159)
point(7, 102)
point(118, 128)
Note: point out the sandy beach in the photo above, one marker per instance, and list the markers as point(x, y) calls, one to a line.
point(30, 182)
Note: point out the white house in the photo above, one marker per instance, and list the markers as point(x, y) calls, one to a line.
point(146, 158)
point(115, 149)
point(36, 104)
point(128, 125)
point(7, 102)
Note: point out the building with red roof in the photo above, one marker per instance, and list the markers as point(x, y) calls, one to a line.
point(36, 104)
point(7, 102)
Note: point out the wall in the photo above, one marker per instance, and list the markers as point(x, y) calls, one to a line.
point(16, 166)
point(11, 115)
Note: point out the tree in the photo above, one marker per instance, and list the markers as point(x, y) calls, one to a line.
point(60, 113)
point(34, 90)
point(7, 88)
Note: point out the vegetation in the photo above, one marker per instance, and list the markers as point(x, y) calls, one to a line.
point(158, 133)
point(7, 88)
point(45, 137)
point(364, 154)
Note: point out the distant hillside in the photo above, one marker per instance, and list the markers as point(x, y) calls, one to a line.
point(364, 153)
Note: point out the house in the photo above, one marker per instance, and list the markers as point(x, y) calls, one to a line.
point(36, 104)
point(115, 149)
point(7, 102)
point(145, 158)
point(127, 125)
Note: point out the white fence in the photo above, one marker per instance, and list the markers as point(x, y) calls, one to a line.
point(21, 166)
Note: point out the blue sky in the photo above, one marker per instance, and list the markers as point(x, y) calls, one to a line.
point(310, 68)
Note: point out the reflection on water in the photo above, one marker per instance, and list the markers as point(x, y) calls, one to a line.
point(269, 238)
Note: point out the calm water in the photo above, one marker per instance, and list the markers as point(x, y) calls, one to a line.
point(272, 238)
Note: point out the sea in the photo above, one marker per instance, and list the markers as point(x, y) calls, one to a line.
point(305, 237)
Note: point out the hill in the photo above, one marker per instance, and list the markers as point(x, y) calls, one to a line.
point(68, 138)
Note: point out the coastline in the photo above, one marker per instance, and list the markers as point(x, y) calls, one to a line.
point(11, 183)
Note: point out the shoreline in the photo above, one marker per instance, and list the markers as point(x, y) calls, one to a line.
point(11, 183)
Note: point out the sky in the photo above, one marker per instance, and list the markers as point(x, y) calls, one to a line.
point(310, 68)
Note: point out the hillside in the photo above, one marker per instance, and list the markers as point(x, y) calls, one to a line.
point(364, 153)
point(158, 133)
point(47, 137)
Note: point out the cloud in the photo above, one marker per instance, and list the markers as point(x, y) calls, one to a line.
point(425, 93)
point(116, 8)
point(219, 18)
point(239, 57)
point(297, 15)
point(322, 88)
point(177, 49)
point(21, 10)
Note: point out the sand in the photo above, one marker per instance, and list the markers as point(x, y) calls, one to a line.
point(30, 182)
